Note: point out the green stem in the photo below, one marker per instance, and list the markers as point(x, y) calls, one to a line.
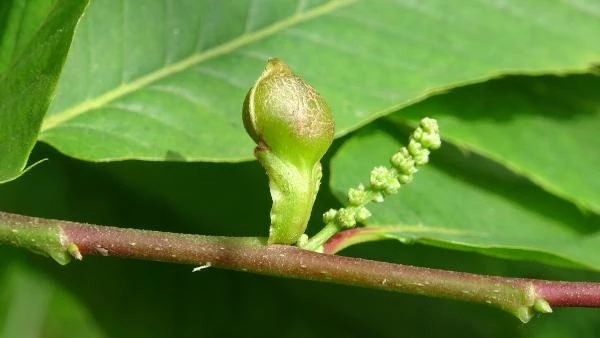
point(521, 297)
point(293, 190)
point(346, 238)
point(41, 236)
point(316, 242)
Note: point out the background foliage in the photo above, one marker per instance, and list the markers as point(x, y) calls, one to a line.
point(511, 83)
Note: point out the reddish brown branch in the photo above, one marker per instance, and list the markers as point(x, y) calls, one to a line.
point(574, 294)
point(518, 296)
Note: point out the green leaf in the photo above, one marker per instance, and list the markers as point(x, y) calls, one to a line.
point(32, 306)
point(19, 21)
point(166, 80)
point(35, 38)
point(465, 202)
point(543, 128)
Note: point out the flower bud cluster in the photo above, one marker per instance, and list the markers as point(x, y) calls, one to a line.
point(387, 181)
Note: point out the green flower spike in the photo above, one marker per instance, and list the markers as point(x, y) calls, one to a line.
point(387, 181)
point(292, 127)
point(382, 182)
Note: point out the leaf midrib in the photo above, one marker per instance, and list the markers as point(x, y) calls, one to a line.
point(196, 58)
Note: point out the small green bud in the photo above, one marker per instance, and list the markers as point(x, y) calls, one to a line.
point(403, 162)
point(417, 134)
point(357, 196)
point(378, 197)
point(385, 179)
point(292, 127)
point(405, 179)
point(362, 214)
point(346, 217)
point(542, 306)
point(329, 216)
point(418, 152)
point(302, 240)
point(431, 133)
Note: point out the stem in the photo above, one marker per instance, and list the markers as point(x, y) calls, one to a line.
point(521, 297)
point(346, 238)
point(293, 190)
point(316, 242)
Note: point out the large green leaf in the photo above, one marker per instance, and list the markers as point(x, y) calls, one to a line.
point(166, 80)
point(466, 202)
point(34, 43)
point(19, 21)
point(544, 128)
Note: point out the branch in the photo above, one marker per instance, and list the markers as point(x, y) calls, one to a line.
point(63, 240)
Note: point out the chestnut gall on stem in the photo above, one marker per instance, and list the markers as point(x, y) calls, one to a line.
point(292, 127)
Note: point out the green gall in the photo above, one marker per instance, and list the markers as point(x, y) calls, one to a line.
point(287, 115)
point(292, 127)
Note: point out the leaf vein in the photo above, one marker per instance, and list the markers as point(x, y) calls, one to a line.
point(196, 58)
